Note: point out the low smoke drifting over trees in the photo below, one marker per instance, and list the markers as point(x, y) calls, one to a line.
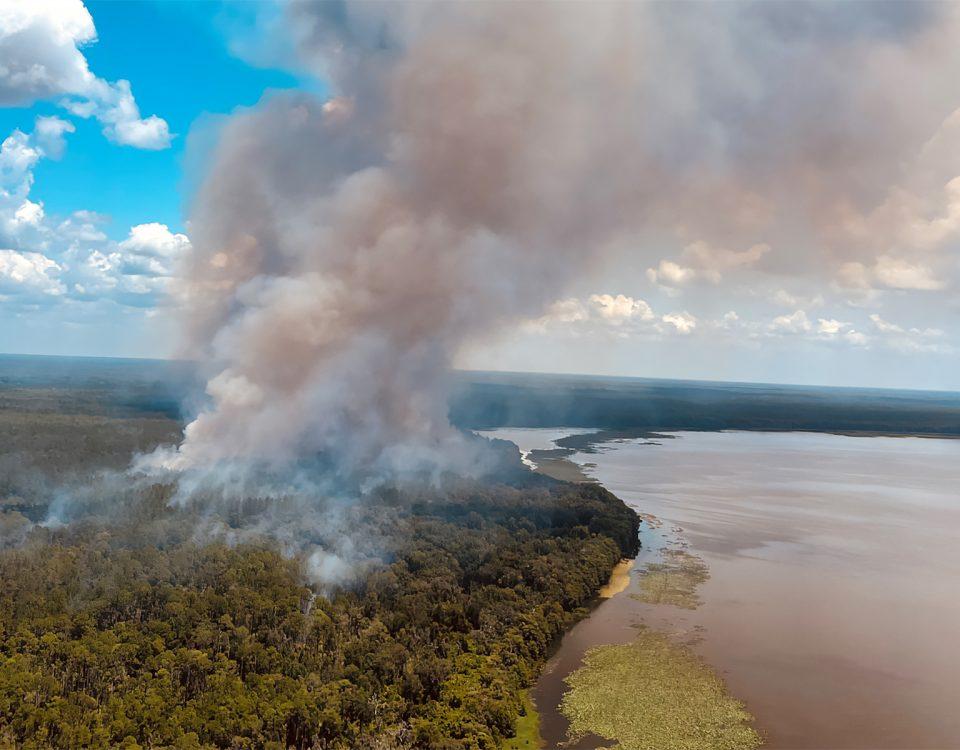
point(128, 628)
point(107, 643)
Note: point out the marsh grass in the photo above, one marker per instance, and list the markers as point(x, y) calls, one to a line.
point(653, 694)
point(528, 728)
point(674, 580)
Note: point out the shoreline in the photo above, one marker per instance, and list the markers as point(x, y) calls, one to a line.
point(556, 464)
point(788, 526)
point(617, 627)
point(589, 442)
point(612, 621)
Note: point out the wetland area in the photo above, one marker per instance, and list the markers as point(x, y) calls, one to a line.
point(815, 574)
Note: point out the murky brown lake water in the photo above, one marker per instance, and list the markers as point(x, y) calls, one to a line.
point(833, 607)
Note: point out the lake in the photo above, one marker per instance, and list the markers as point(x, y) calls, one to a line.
point(832, 608)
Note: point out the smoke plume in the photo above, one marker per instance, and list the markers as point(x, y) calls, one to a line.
point(474, 158)
point(346, 249)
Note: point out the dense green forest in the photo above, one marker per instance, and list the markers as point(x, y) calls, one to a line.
point(106, 644)
point(127, 628)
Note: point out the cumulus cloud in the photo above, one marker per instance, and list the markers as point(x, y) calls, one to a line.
point(883, 326)
point(20, 152)
point(41, 59)
point(136, 271)
point(562, 313)
point(796, 322)
point(617, 316)
point(152, 250)
point(49, 260)
point(701, 260)
point(29, 275)
point(897, 273)
point(682, 322)
point(856, 338)
point(620, 316)
point(912, 339)
point(796, 325)
point(729, 319)
point(890, 273)
point(597, 314)
point(712, 261)
point(792, 300)
point(670, 274)
point(830, 326)
point(620, 308)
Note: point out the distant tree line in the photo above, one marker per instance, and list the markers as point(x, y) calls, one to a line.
point(488, 400)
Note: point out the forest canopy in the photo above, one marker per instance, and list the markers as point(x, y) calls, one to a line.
point(130, 630)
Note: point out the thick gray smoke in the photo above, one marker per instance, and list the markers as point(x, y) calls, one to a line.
point(474, 158)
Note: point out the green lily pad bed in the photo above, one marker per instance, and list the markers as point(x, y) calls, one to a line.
point(654, 694)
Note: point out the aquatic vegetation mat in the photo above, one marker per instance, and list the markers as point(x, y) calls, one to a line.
point(674, 581)
point(653, 694)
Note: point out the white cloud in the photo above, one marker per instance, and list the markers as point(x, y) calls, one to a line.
point(729, 320)
point(564, 312)
point(890, 273)
point(883, 326)
point(668, 273)
point(898, 273)
point(116, 109)
point(790, 300)
point(830, 326)
point(40, 50)
point(27, 274)
point(83, 227)
point(48, 132)
point(704, 261)
point(622, 317)
point(682, 322)
point(19, 154)
point(136, 271)
point(152, 249)
point(620, 308)
point(712, 261)
point(48, 259)
point(886, 327)
point(910, 340)
point(796, 322)
point(619, 314)
point(28, 214)
point(856, 338)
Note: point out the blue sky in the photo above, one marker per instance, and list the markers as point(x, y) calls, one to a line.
point(177, 58)
point(181, 61)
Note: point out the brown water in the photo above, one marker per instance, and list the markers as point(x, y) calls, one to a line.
point(833, 607)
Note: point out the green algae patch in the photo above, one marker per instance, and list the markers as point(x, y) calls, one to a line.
point(528, 728)
point(673, 581)
point(653, 694)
